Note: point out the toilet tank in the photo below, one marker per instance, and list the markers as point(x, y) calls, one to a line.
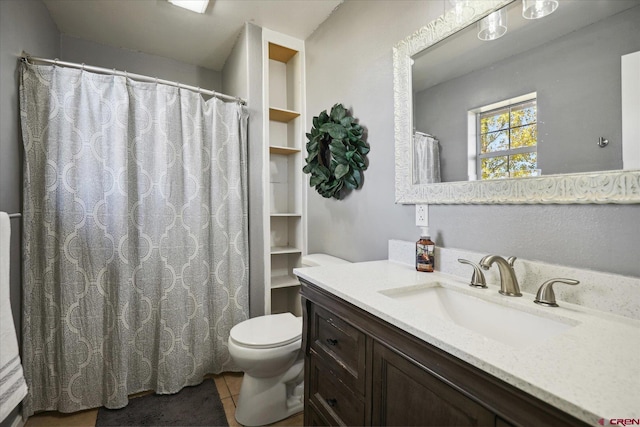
point(314, 260)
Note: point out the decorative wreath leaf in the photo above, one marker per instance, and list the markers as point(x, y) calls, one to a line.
point(335, 153)
point(341, 170)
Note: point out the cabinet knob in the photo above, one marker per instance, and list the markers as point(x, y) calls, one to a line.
point(331, 341)
point(331, 402)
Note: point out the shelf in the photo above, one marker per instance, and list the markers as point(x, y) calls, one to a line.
point(281, 53)
point(277, 250)
point(284, 282)
point(284, 214)
point(274, 149)
point(282, 115)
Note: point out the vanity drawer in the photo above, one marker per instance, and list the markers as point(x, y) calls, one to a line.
point(313, 416)
point(338, 404)
point(342, 346)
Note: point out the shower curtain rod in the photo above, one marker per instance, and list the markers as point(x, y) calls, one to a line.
point(423, 133)
point(25, 57)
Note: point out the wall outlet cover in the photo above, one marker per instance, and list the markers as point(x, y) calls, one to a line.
point(422, 215)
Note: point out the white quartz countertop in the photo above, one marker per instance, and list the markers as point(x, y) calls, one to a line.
point(591, 370)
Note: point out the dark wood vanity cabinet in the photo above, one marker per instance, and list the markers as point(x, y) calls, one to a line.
point(361, 370)
point(404, 394)
point(335, 368)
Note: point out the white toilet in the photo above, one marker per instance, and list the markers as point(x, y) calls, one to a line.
point(267, 349)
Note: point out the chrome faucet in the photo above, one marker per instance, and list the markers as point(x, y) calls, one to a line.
point(508, 280)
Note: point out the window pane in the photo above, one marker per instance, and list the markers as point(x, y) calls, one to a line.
point(494, 141)
point(495, 167)
point(504, 131)
point(524, 114)
point(494, 120)
point(523, 165)
point(524, 174)
point(525, 136)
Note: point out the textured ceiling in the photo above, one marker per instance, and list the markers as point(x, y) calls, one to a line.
point(160, 28)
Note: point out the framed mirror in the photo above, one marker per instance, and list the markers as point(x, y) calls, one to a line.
point(474, 95)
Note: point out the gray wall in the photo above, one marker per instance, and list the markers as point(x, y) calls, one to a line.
point(349, 60)
point(578, 84)
point(242, 76)
point(24, 25)
point(82, 51)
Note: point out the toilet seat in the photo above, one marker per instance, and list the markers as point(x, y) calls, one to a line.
point(275, 330)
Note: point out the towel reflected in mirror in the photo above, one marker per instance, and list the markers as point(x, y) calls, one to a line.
point(426, 163)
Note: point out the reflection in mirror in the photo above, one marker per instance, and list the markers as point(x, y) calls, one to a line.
point(534, 102)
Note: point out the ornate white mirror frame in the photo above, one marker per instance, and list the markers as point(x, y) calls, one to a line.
point(592, 187)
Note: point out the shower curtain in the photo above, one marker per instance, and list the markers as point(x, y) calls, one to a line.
point(426, 159)
point(135, 252)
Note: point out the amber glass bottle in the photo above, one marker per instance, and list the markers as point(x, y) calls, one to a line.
point(425, 250)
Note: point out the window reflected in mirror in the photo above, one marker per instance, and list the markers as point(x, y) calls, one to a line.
point(571, 59)
point(507, 141)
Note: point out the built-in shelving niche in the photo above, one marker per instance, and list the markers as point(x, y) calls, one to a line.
point(286, 223)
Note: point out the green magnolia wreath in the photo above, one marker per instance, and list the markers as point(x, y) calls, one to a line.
point(336, 153)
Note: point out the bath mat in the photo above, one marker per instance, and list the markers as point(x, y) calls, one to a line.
point(193, 406)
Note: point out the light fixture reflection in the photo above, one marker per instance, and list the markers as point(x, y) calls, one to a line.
point(459, 8)
point(534, 9)
point(493, 26)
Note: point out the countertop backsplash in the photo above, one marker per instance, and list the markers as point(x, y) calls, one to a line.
point(613, 293)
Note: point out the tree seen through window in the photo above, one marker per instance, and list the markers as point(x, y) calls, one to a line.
point(508, 141)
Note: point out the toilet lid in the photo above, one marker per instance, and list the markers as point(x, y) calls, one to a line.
point(269, 331)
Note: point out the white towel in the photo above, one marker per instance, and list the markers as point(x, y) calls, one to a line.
point(426, 159)
point(13, 388)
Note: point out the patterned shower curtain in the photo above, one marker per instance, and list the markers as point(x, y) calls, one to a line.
point(135, 252)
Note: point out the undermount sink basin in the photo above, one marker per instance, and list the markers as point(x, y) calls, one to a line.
point(493, 320)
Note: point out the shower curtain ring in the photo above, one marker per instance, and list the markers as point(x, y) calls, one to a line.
point(82, 66)
point(55, 62)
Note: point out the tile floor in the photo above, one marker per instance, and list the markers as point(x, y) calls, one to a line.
point(228, 385)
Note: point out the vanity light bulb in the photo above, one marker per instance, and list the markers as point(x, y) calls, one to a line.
point(535, 9)
point(493, 26)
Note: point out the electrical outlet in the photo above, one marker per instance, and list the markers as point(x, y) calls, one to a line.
point(422, 215)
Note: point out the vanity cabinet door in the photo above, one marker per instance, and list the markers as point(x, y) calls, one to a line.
point(405, 394)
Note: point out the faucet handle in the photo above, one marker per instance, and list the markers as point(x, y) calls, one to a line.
point(546, 296)
point(477, 278)
point(511, 260)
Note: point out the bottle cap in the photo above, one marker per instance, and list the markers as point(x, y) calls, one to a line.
point(425, 232)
